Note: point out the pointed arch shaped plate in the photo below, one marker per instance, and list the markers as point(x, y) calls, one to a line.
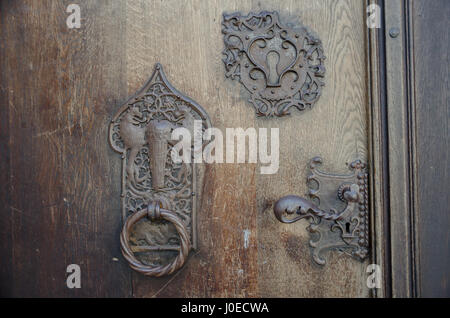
point(141, 132)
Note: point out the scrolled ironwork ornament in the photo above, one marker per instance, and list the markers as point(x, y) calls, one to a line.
point(338, 211)
point(152, 181)
point(281, 66)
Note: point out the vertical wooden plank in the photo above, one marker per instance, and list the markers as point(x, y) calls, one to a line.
point(59, 86)
point(430, 87)
point(418, 152)
point(378, 154)
point(189, 48)
point(5, 168)
point(93, 218)
point(399, 156)
point(33, 231)
point(335, 129)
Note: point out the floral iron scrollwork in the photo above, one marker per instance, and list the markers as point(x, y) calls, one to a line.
point(338, 211)
point(151, 180)
point(281, 66)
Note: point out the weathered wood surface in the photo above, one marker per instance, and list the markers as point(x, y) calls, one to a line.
point(432, 112)
point(398, 150)
point(58, 89)
point(61, 181)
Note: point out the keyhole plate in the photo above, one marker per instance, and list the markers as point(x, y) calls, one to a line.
point(350, 234)
point(282, 67)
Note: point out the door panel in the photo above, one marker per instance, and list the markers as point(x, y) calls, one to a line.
point(432, 147)
point(59, 92)
point(58, 88)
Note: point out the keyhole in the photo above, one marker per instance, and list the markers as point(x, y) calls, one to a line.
point(347, 227)
point(272, 61)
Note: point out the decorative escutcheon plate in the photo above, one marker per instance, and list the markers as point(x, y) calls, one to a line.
point(280, 65)
point(337, 211)
point(151, 180)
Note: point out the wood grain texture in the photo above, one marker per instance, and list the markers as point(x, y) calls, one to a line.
point(398, 150)
point(59, 92)
point(378, 162)
point(6, 266)
point(65, 85)
point(335, 129)
point(189, 48)
point(431, 43)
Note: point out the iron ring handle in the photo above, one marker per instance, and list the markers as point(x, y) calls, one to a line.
point(155, 212)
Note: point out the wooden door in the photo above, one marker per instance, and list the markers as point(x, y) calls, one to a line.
point(61, 180)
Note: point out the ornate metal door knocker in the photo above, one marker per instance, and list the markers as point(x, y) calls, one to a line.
point(153, 185)
point(281, 66)
point(338, 213)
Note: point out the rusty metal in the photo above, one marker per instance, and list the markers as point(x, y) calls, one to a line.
point(340, 219)
point(154, 212)
point(141, 132)
point(280, 65)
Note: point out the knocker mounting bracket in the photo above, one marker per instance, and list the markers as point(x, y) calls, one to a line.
point(153, 185)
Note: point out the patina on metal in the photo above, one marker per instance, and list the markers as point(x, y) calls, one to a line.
point(154, 212)
point(280, 65)
point(337, 212)
point(151, 180)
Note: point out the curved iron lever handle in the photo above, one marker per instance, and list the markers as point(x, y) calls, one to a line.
point(154, 212)
point(302, 208)
point(346, 230)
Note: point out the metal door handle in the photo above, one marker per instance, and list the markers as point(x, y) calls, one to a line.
point(153, 183)
point(347, 230)
point(292, 204)
point(154, 212)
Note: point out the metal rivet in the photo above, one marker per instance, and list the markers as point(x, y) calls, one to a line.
point(394, 32)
